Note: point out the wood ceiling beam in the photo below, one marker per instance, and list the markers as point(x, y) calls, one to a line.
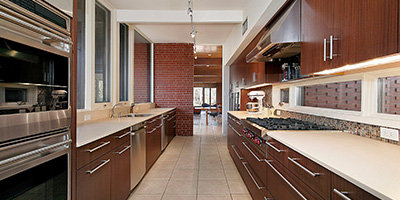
point(208, 79)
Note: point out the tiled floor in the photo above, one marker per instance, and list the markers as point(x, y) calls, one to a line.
point(191, 168)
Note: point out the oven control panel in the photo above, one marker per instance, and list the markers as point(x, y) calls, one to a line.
point(257, 140)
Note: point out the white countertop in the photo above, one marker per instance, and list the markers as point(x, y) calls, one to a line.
point(244, 114)
point(94, 130)
point(370, 164)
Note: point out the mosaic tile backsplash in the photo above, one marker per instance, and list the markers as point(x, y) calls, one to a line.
point(355, 128)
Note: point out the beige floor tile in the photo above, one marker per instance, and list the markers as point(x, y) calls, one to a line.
point(232, 174)
point(211, 174)
point(241, 197)
point(237, 187)
point(229, 165)
point(213, 187)
point(213, 197)
point(145, 197)
point(179, 197)
point(159, 173)
point(217, 165)
point(185, 174)
point(164, 164)
point(181, 187)
point(187, 164)
point(151, 186)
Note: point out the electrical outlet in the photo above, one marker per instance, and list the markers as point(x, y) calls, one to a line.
point(390, 134)
point(278, 112)
point(86, 117)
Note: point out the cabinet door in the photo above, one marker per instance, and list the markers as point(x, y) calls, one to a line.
point(316, 24)
point(153, 146)
point(93, 180)
point(365, 29)
point(342, 189)
point(120, 172)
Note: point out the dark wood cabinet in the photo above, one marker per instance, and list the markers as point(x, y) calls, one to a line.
point(94, 179)
point(120, 172)
point(360, 30)
point(153, 140)
point(342, 189)
point(170, 125)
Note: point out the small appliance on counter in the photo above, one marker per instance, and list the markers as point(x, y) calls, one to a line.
point(252, 107)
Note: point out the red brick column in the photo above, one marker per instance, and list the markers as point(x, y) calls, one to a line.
point(142, 73)
point(173, 82)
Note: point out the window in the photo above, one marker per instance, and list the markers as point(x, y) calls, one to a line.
point(102, 55)
point(142, 69)
point(207, 99)
point(213, 96)
point(389, 95)
point(197, 96)
point(123, 63)
point(285, 95)
point(339, 95)
point(81, 55)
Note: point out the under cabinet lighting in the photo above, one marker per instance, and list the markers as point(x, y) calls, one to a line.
point(369, 63)
point(258, 86)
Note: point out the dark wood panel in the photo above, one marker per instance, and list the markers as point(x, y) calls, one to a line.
point(353, 192)
point(208, 71)
point(208, 61)
point(120, 172)
point(257, 164)
point(273, 72)
point(317, 24)
point(254, 184)
point(99, 147)
point(153, 146)
point(95, 186)
point(120, 137)
point(73, 99)
point(244, 99)
point(216, 79)
point(279, 156)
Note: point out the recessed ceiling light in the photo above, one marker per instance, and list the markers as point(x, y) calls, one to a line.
point(209, 54)
point(207, 65)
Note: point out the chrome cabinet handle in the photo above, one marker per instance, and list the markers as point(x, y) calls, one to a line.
point(272, 146)
point(98, 147)
point(166, 117)
point(287, 182)
point(237, 133)
point(123, 150)
point(331, 39)
point(234, 120)
point(98, 167)
point(34, 152)
point(324, 49)
point(293, 160)
point(341, 194)
point(123, 135)
point(171, 118)
point(159, 126)
point(251, 176)
point(152, 130)
point(265, 198)
point(237, 154)
point(255, 156)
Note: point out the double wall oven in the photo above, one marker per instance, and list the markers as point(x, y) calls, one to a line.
point(35, 115)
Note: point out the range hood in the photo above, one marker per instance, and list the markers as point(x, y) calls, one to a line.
point(282, 39)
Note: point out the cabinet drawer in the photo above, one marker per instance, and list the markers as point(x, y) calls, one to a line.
point(254, 159)
point(120, 172)
point(235, 122)
point(342, 189)
point(253, 182)
point(311, 173)
point(120, 137)
point(284, 185)
point(92, 151)
point(278, 150)
point(236, 155)
point(153, 122)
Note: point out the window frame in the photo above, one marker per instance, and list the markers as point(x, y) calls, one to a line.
point(129, 73)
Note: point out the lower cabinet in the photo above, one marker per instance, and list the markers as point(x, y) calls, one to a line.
point(120, 171)
point(342, 189)
point(153, 141)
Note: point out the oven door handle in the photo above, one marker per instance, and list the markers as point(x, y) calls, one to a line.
point(34, 152)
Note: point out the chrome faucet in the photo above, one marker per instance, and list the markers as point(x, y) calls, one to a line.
point(112, 110)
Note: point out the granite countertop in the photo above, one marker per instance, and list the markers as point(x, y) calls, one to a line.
point(91, 131)
point(372, 165)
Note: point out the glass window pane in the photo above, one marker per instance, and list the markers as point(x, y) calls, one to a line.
point(102, 54)
point(213, 96)
point(80, 44)
point(197, 96)
point(123, 62)
point(285, 95)
point(389, 95)
point(142, 69)
point(341, 95)
point(207, 96)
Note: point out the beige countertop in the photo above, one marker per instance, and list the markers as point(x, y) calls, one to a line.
point(91, 131)
point(244, 114)
point(370, 164)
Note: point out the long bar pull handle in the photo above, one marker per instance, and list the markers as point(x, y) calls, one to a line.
point(98, 167)
point(293, 160)
point(255, 156)
point(237, 154)
point(331, 38)
point(152, 130)
point(273, 147)
point(251, 176)
point(265, 198)
point(324, 49)
point(123, 150)
point(237, 133)
point(34, 152)
point(98, 147)
point(287, 182)
point(341, 194)
point(123, 135)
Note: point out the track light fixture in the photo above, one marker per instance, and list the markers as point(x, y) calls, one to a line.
point(193, 33)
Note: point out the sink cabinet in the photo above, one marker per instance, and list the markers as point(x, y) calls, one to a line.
point(153, 140)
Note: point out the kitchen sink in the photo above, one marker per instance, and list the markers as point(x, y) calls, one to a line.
point(137, 115)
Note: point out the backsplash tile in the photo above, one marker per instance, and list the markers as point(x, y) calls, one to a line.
point(355, 128)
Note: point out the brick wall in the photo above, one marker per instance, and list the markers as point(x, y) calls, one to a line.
point(173, 82)
point(142, 73)
point(391, 95)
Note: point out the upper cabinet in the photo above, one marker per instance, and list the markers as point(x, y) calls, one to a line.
point(340, 32)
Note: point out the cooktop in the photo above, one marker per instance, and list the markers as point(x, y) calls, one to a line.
point(287, 124)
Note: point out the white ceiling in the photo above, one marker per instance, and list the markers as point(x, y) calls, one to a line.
point(179, 4)
point(211, 32)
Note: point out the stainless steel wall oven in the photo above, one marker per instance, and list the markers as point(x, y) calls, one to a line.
point(35, 115)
